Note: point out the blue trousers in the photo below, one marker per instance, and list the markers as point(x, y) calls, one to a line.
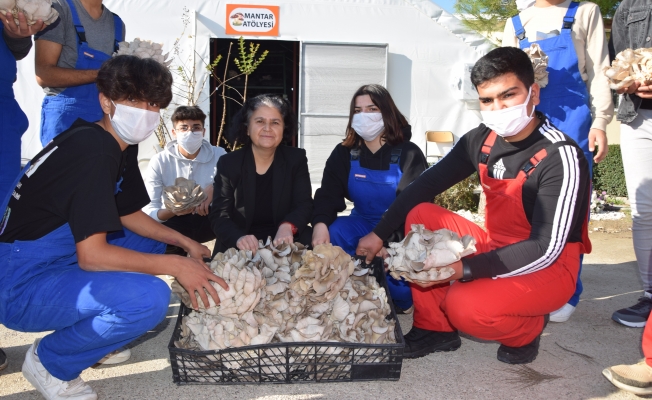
point(346, 232)
point(43, 288)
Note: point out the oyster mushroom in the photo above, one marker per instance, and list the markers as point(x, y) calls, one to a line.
point(32, 9)
point(425, 255)
point(144, 49)
point(539, 63)
point(184, 195)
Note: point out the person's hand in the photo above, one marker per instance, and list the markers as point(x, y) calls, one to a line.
point(197, 250)
point(457, 266)
point(382, 253)
point(320, 234)
point(644, 91)
point(247, 242)
point(284, 234)
point(21, 30)
point(195, 276)
point(599, 137)
point(631, 89)
point(369, 246)
point(202, 209)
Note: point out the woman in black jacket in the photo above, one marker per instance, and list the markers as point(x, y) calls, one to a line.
point(370, 168)
point(262, 189)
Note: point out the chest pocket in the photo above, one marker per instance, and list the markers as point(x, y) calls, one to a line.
point(638, 23)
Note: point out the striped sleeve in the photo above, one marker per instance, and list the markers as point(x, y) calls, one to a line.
point(564, 208)
point(556, 219)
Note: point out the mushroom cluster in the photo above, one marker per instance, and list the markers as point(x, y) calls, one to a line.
point(144, 49)
point(539, 63)
point(184, 195)
point(298, 296)
point(424, 255)
point(33, 10)
point(630, 66)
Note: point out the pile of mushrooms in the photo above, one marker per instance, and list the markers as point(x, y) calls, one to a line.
point(539, 63)
point(424, 255)
point(630, 66)
point(144, 49)
point(33, 10)
point(288, 294)
point(184, 195)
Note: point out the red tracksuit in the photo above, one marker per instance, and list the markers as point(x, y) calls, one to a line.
point(508, 310)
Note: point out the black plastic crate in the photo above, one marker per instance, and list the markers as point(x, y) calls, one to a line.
point(297, 362)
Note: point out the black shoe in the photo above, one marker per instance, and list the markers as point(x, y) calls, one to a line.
point(400, 310)
point(3, 360)
point(524, 354)
point(635, 316)
point(421, 342)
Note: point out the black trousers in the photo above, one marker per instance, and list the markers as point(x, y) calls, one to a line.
point(194, 226)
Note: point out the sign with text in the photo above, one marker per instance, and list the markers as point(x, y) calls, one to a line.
point(249, 19)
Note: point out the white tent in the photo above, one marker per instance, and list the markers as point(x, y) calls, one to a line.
point(413, 47)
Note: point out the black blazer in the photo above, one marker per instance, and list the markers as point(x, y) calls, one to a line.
point(234, 193)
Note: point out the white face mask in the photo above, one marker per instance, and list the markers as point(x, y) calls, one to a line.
point(508, 121)
point(133, 125)
point(190, 141)
point(368, 125)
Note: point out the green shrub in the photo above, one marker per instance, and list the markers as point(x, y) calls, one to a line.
point(609, 175)
point(461, 196)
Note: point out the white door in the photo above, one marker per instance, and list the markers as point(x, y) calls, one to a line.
point(330, 74)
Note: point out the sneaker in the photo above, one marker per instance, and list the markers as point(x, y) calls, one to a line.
point(635, 316)
point(50, 387)
point(3, 360)
point(421, 342)
point(524, 354)
point(563, 314)
point(635, 378)
point(116, 357)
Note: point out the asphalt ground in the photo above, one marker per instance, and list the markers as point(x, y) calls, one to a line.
point(571, 358)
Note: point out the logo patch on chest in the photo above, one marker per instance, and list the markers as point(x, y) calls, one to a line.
point(361, 176)
point(499, 169)
point(89, 55)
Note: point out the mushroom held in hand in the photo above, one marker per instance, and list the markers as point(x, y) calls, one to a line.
point(424, 255)
point(144, 49)
point(539, 64)
point(34, 10)
point(184, 195)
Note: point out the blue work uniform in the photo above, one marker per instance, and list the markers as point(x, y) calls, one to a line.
point(565, 100)
point(13, 121)
point(42, 288)
point(82, 101)
point(372, 192)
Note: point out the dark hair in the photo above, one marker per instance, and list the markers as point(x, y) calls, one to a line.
point(240, 121)
point(131, 77)
point(185, 113)
point(501, 61)
point(392, 117)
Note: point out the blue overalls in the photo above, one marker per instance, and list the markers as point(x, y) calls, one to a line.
point(565, 100)
point(60, 111)
point(13, 122)
point(372, 192)
point(42, 288)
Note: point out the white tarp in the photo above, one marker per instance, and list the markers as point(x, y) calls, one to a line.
point(423, 43)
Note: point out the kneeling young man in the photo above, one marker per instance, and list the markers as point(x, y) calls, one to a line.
point(77, 254)
point(536, 181)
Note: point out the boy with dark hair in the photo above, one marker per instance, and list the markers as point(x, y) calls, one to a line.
point(189, 156)
point(537, 186)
